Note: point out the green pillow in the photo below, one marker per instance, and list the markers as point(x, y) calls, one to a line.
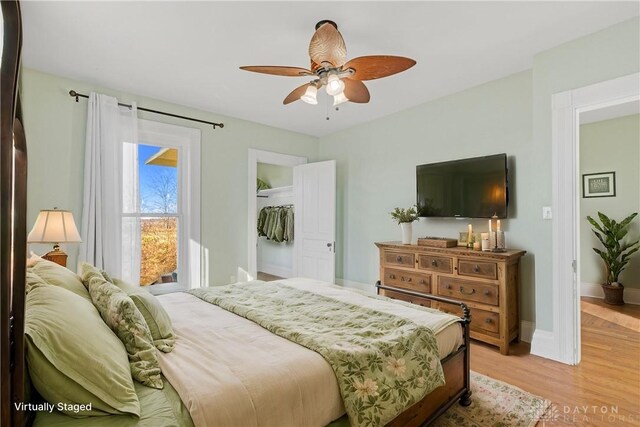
point(33, 280)
point(120, 313)
point(55, 274)
point(73, 357)
point(154, 314)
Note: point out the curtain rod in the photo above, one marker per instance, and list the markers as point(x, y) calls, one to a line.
point(76, 95)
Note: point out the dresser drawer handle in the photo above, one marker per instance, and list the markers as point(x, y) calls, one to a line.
point(476, 269)
point(488, 320)
point(423, 282)
point(392, 276)
point(434, 263)
point(448, 286)
point(473, 291)
point(398, 258)
point(487, 292)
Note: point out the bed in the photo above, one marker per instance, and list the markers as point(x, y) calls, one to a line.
point(227, 370)
point(246, 376)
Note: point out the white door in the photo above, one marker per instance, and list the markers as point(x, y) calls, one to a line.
point(315, 220)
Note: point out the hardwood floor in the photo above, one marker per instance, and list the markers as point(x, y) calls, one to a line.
point(603, 390)
point(267, 277)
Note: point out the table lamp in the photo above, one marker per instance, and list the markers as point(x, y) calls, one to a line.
point(54, 226)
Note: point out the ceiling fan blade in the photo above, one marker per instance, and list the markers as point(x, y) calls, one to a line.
point(279, 71)
point(356, 91)
point(327, 45)
point(377, 66)
point(296, 94)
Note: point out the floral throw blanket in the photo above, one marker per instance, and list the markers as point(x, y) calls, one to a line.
point(383, 363)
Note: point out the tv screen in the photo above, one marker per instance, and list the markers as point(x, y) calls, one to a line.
point(468, 188)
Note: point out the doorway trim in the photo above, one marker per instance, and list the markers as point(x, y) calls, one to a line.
point(563, 343)
point(255, 157)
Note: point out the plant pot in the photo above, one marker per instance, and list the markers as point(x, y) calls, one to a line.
point(407, 232)
point(613, 295)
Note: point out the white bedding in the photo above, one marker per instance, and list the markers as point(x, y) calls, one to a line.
point(231, 372)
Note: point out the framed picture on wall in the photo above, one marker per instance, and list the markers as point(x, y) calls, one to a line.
point(601, 184)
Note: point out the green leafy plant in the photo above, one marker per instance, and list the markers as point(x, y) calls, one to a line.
point(401, 215)
point(616, 253)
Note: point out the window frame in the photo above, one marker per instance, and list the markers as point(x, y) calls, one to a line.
point(187, 141)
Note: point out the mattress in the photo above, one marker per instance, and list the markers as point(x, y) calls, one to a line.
point(231, 372)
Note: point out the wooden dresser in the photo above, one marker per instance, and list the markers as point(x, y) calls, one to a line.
point(486, 281)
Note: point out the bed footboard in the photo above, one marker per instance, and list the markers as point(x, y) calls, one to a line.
point(457, 370)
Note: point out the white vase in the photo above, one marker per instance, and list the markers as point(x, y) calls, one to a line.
point(406, 232)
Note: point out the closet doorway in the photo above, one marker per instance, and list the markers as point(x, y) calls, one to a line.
point(269, 259)
point(275, 208)
point(304, 191)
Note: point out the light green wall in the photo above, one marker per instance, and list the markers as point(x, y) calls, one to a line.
point(377, 166)
point(275, 175)
point(376, 161)
point(611, 145)
point(605, 55)
point(55, 129)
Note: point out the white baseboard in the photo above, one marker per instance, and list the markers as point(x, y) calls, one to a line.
point(631, 295)
point(543, 344)
point(276, 270)
point(526, 330)
point(366, 287)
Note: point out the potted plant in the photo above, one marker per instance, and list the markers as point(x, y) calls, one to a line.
point(615, 255)
point(405, 218)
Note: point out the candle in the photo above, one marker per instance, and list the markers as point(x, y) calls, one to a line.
point(498, 230)
point(490, 227)
point(470, 232)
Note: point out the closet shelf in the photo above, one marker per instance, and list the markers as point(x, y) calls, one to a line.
point(273, 191)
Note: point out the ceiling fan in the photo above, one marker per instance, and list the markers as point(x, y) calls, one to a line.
point(330, 68)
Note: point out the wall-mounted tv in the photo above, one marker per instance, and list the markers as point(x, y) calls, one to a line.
point(467, 188)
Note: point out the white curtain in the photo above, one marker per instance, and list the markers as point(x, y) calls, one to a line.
point(108, 241)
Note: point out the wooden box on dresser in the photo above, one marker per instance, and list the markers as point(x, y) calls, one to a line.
point(487, 282)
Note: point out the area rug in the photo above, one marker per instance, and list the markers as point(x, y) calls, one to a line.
point(495, 404)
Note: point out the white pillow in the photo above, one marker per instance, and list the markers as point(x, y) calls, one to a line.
point(33, 259)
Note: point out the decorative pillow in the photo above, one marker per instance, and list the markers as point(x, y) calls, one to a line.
point(73, 357)
point(120, 313)
point(154, 314)
point(55, 274)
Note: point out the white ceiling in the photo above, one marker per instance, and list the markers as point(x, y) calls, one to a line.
point(189, 52)
point(611, 112)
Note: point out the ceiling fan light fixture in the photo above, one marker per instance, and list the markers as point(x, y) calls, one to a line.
point(339, 99)
point(334, 84)
point(310, 95)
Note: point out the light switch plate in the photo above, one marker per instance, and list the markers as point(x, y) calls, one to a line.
point(546, 212)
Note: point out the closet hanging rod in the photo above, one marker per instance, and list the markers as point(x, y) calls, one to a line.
point(77, 95)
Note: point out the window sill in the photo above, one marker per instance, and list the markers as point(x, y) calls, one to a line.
point(166, 288)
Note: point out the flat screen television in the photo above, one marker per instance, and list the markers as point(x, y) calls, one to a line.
point(467, 188)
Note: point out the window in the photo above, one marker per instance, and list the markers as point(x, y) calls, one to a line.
point(161, 208)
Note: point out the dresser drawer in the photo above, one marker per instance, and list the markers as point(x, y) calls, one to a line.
point(487, 270)
point(405, 259)
point(467, 290)
point(424, 302)
point(481, 320)
point(435, 263)
point(485, 321)
point(406, 280)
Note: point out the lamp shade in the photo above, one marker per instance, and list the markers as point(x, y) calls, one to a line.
point(54, 226)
